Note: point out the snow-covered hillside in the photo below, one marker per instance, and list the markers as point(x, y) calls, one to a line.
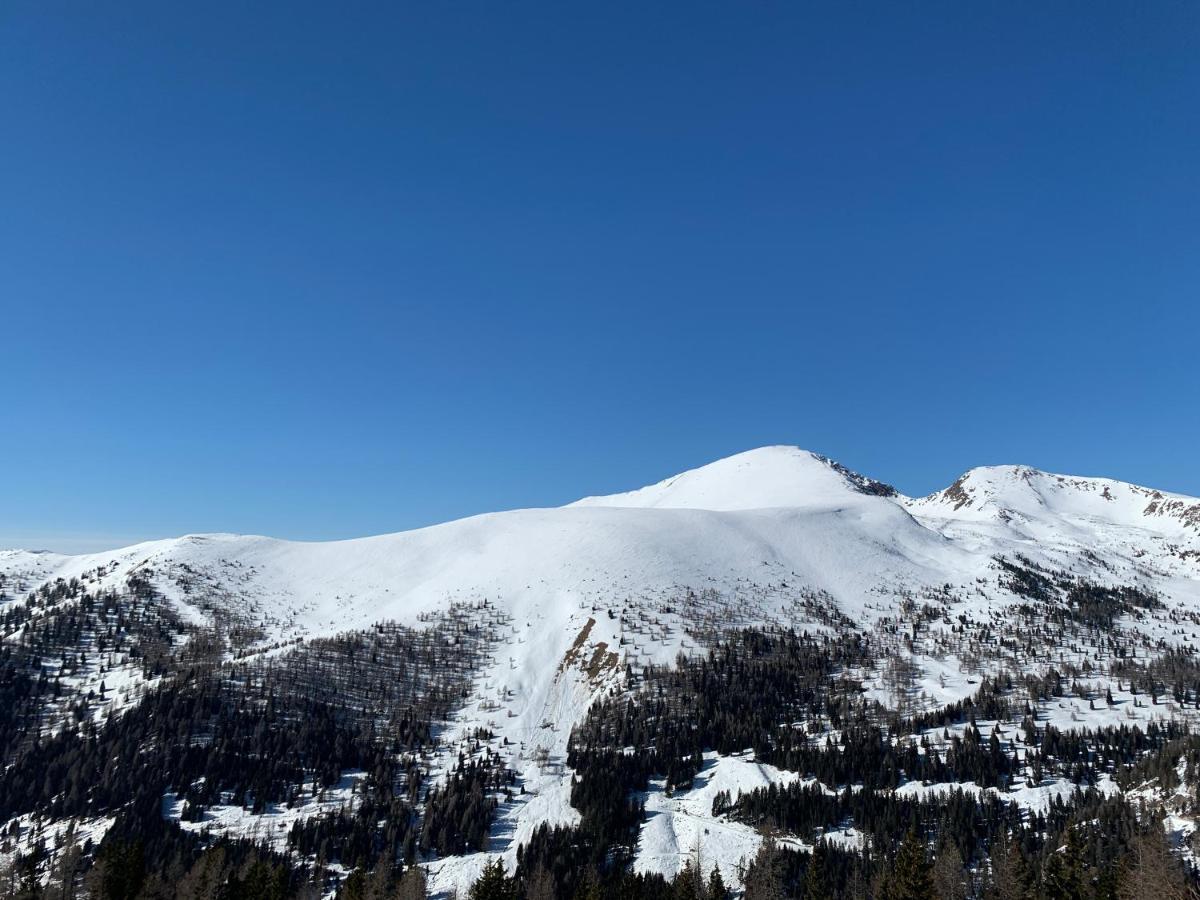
point(767, 515)
point(583, 594)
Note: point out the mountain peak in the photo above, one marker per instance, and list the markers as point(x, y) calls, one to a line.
point(1024, 493)
point(773, 476)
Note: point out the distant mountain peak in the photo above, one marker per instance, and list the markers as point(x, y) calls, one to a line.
point(1023, 492)
point(766, 477)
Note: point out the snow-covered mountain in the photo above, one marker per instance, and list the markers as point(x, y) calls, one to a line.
point(758, 479)
point(581, 596)
point(776, 514)
point(1022, 494)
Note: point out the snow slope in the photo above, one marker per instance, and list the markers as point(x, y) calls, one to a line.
point(757, 479)
point(767, 513)
point(1021, 496)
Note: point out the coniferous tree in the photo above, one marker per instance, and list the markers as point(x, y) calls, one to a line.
point(912, 875)
point(354, 887)
point(1009, 875)
point(816, 878)
point(412, 885)
point(716, 886)
point(1062, 875)
point(589, 886)
point(949, 873)
point(379, 881)
point(119, 872)
point(684, 885)
point(493, 884)
point(204, 879)
point(764, 878)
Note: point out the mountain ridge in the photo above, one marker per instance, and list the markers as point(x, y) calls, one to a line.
point(747, 480)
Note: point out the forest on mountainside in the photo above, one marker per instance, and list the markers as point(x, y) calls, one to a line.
point(345, 730)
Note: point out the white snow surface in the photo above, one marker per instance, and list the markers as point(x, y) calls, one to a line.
point(761, 517)
point(757, 479)
point(1022, 497)
point(682, 826)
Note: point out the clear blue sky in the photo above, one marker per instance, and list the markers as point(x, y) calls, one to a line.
point(324, 270)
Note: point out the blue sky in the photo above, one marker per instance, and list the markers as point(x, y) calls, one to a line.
point(335, 269)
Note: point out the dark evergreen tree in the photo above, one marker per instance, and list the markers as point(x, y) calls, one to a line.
point(912, 875)
point(716, 886)
point(1063, 873)
point(412, 885)
point(121, 870)
point(764, 875)
point(816, 878)
point(494, 884)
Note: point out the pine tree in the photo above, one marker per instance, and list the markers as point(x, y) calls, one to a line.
point(120, 871)
point(816, 878)
point(912, 877)
point(716, 886)
point(540, 885)
point(684, 885)
point(354, 887)
point(379, 881)
point(949, 875)
point(1062, 875)
point(203, 880)
point(261, 880)
point(1010, 877)
point(493, 884)
point(412, 885)
point(763, 880)
point(589, 886)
